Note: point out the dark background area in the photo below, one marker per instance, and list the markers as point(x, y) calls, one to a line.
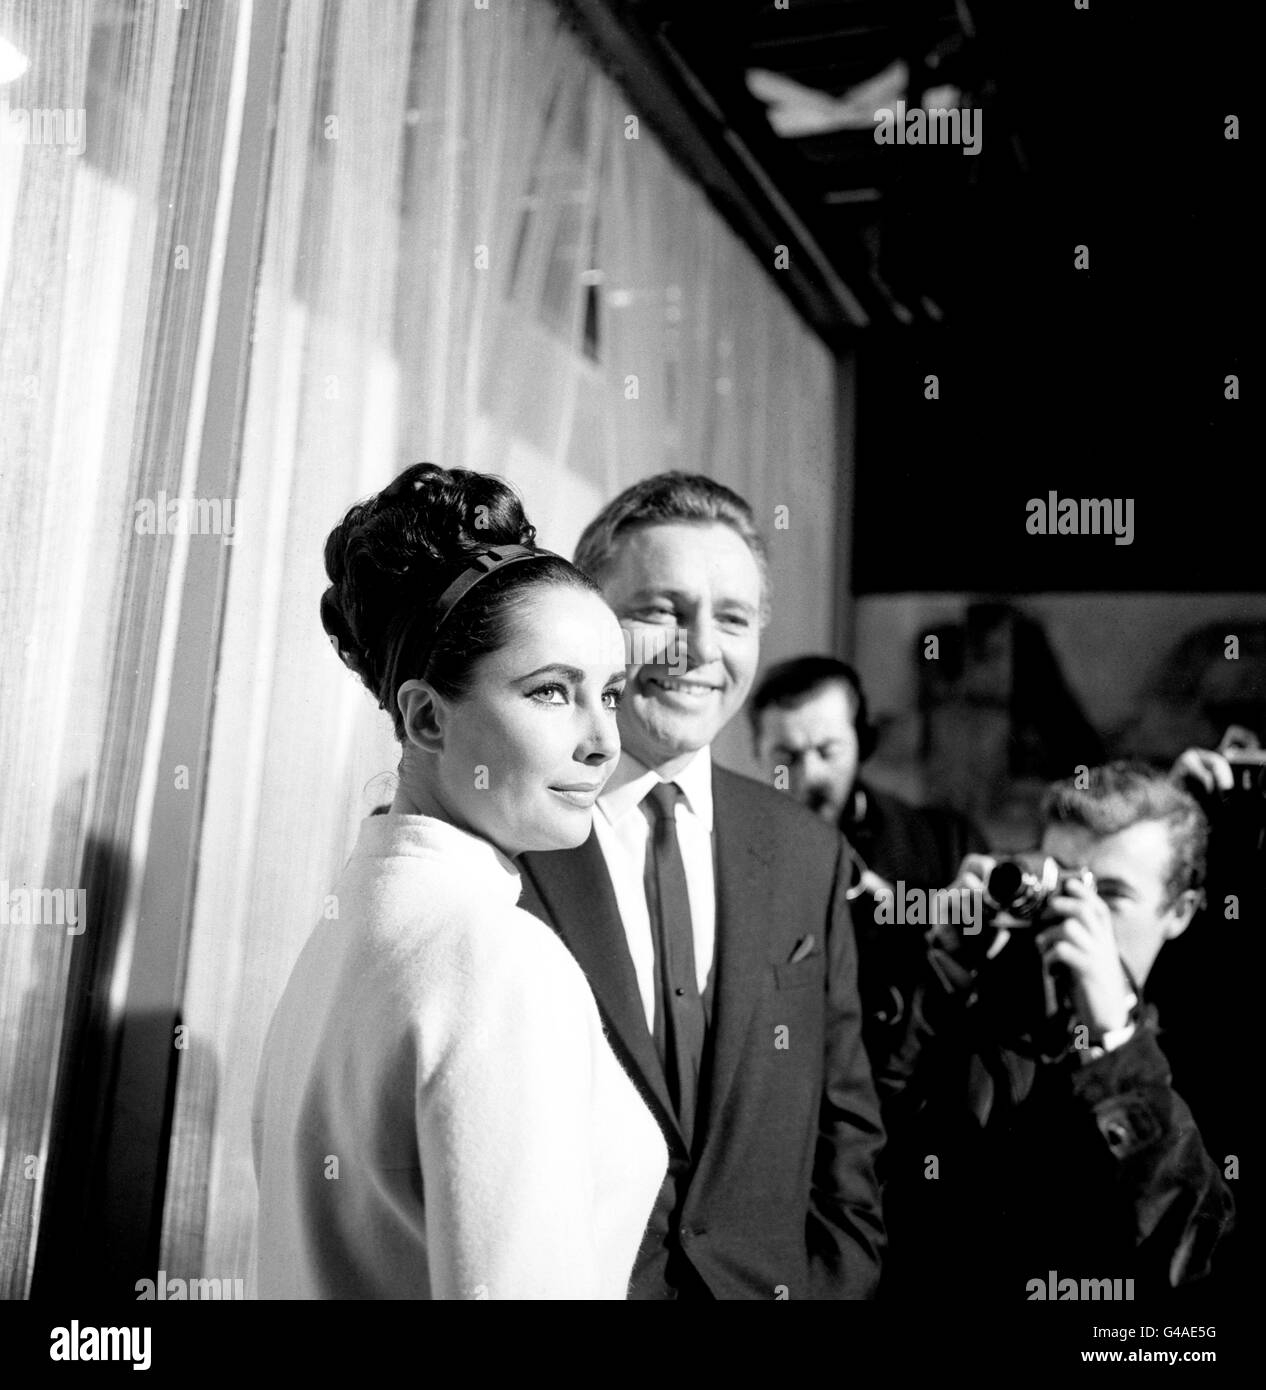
point(1106, 383)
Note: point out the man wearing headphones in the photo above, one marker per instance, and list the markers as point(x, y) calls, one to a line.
point(812, 734)
point(809, 716)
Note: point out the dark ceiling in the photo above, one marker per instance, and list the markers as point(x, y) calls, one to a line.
point(888, 236)
point(854, 194)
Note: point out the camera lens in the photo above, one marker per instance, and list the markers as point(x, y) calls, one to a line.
point(1006, 884)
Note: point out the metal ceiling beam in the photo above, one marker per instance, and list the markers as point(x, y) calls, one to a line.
point(701, 139)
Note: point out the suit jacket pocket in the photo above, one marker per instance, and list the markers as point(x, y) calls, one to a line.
point(800, 973)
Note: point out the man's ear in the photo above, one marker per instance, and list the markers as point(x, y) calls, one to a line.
point(425, 715)
point(1182, 911)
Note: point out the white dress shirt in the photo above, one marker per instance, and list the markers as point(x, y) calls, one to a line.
point(624, 835)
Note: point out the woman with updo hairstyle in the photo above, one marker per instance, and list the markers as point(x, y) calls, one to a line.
point(438, 1113)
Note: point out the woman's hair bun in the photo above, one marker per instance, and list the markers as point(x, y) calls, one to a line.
point(338, 631)
point(397, 552)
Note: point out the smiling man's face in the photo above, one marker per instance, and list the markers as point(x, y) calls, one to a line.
point(699, 582)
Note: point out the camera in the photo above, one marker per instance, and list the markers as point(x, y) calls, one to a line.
point(1022, 885)
point(1248, 769)
point(1018, 894)
point(1237, 814)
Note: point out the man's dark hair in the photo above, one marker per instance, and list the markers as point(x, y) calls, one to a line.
point(791, 682)
point(1121, 794)
point(661, 500)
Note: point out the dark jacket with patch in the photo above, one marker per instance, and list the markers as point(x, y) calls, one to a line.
point(1014, 1153)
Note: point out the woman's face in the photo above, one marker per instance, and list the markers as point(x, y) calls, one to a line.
point(527, 750)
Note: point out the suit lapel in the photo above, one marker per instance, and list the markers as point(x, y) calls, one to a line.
point(575, 890)
point(742, 882)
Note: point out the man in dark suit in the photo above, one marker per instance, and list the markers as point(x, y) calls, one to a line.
point(710, 917)
point(809, 716)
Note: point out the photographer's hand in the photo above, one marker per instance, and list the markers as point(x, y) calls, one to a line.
point(1084, 941)
point(1202, 770)
point(961, 942)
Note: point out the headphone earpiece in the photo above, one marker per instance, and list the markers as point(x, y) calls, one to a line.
point(867, 738)
point(867, 734)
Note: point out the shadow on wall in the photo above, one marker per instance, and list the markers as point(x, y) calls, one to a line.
point(104, 1171)
point(72, 1217)
point(1210, 679)
point(998, 720)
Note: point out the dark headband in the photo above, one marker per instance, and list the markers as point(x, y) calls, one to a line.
point(485, 562)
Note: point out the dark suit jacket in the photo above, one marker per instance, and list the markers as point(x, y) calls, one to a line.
point(915, 846)
point(779, 1198)
point(920, 845)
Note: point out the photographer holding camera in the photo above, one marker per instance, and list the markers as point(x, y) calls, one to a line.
point(1034, 1131)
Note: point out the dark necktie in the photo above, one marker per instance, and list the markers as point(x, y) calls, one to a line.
point(680, 1023)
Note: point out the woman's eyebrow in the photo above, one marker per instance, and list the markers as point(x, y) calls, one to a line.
point(571, 673)
point(554, 668)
